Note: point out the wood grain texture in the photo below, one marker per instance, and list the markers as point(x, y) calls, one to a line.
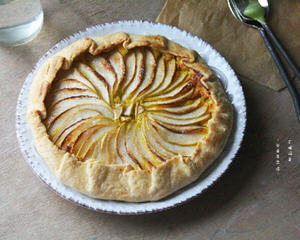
point(250, 201)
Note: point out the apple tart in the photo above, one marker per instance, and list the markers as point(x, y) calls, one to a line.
point(128, 117)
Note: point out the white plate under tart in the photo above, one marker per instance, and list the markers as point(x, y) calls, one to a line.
point(214, 60)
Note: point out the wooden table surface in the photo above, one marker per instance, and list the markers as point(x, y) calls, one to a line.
point(252, 200)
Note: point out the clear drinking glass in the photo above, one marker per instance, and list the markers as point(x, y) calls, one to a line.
point(20, 21)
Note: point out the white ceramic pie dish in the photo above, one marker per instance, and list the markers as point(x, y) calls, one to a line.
point(214, 60)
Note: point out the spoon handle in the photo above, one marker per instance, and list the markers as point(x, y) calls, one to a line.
point(283, 72)
point(281, 49)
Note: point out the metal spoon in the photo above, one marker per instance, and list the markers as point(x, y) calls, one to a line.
point(258, 12)
point(255, 17)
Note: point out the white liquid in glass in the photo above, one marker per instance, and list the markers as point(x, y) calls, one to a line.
point(20, 21)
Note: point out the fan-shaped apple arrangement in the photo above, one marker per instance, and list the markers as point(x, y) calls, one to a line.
point(128, 117)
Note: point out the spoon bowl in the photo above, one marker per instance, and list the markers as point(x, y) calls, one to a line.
point(253, 13)
point(248, 21)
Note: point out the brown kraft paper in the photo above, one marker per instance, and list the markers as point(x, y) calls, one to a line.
point(242, 46)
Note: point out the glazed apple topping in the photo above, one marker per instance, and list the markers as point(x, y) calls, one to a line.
point(138, 107)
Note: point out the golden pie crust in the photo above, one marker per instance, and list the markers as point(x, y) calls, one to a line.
point(163, 152)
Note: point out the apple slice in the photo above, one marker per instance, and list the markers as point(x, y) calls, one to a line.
point(73, 73)
point(196, 114)
point(113, 145)
point(117, 61)
point(130, 67)
point(68, 83)
point(120, 142)
point(66, 120)
point(108, 154)
point(154, 146)
point(73, 136)
point(128, 111)
point(90, 150)
point(103, 152)
point(180, 78)
point(180, 122)
point(141, 146)
point(159, 77)
point(97, 80)
point(61, 94)
point(145, 159)
point(131, 147)
point(91, 135)
point(172, 94)
point(182, 109)
point(150, 69)
point(174, 148)
point(95, 154)
point(90, 154)
point(170, 72)
point(99, 109)
point(103, 67)
point(137, 80)
point(76, 74)
point(72, 102)
point(169, 102)
point(187, 139)
point(59, 138)
point(86, 138)
point(121, 148)
point(183, 129)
